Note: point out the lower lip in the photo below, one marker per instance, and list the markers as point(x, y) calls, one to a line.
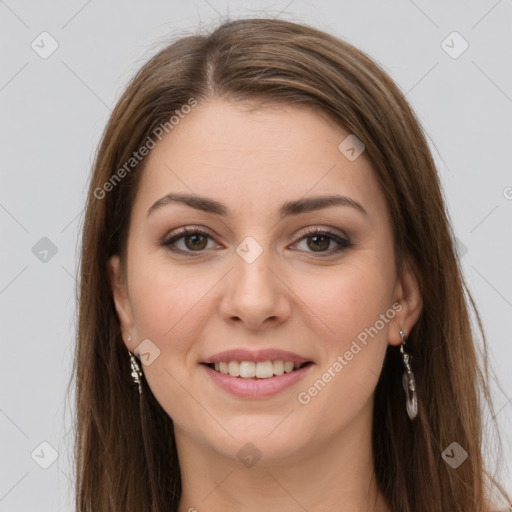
point(256, 388)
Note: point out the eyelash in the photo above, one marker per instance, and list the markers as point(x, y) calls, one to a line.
point(343, 243)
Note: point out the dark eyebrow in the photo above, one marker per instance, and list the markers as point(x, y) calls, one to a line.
point(297, 207)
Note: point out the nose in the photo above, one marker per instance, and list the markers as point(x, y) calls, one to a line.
point(255, 294)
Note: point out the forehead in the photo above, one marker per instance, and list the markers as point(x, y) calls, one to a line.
point(255, 158)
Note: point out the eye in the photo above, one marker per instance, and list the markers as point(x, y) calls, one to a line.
point(319, 241)
point(194, 240)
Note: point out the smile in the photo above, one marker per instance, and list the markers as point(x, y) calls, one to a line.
point(249, 385)
point(258, 370)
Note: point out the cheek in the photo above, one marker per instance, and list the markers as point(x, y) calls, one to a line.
point(346, 300)
point(170, 307)
point(356, 308)
point(169, 302)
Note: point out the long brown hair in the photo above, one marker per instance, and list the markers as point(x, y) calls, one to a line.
point(125, 450)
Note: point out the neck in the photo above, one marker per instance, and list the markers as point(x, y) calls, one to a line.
point(332, 474)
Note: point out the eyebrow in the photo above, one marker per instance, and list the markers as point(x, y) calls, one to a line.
point(288, 208)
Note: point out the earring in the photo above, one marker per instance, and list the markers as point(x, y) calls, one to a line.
point(408, 382)
point(136, 371)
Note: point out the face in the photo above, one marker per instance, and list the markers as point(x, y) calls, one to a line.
point(297, 293)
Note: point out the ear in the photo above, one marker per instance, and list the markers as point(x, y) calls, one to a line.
point(407, 294)
point(121, 298)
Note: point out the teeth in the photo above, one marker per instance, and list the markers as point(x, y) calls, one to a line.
point(247, 369)
point(264, 369)
point(234, 368)
point(278, 367)
point(260, 370)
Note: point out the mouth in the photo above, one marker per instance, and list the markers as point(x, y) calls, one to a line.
point(257, 370)
point(253, 380)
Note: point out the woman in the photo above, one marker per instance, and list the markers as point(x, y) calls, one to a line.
point(265, 231)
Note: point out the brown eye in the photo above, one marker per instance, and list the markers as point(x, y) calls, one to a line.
point(197, 242)
point(319, 242)
point(191, 240)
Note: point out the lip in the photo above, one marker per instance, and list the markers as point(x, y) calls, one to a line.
point(256, 356)
point(256, 388)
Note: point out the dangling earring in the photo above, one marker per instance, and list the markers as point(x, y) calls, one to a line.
point(136, 371)
point(408, 381)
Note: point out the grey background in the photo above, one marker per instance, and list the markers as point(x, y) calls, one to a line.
point(52, 115)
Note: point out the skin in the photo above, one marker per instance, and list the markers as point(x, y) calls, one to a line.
point(314, 456)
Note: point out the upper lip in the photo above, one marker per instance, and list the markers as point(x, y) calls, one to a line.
point(241, 354)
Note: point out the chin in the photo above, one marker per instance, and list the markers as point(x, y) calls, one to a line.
point(262, 441)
